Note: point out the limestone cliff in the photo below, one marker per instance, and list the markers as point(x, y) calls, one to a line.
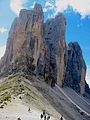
point(55, 41)
point(25, 40)
point(35, 46)
point(40, 48)
point(76, 68)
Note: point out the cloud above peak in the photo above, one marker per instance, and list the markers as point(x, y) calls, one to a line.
point(80, 6)
point(17, 5)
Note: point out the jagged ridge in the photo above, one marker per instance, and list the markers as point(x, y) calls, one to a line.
point(40, 48)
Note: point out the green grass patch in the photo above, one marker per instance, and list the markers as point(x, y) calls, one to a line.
point(5, 97)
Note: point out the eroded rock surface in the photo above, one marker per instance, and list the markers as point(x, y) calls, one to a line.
point(55, 41)
point(40, 48)
point(25, 40)
point(76, 68)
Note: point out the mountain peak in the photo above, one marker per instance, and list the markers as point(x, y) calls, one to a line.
point(40, 48)
point(38, 7)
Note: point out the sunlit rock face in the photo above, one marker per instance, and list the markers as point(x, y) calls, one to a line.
point(40, 48)
point(25, 40)
point(35, 46)
point(76, 68)
point(6, 59)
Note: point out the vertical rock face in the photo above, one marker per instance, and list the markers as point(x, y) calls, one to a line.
point(25, 40)
point(6, 59)
point(29, 34)
point(76, 68)
point(55, 41)
point(35, 46)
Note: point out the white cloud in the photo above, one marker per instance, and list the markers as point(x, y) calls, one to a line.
point(80, 6)
point(45, 9)
point(2, 30)
point(17, 5)
point(48, 6)
point(2, 50)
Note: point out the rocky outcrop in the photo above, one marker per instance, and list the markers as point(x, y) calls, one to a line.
point(55, 41)
point(76, 68)
point(40, 48)
point(5, 61)
point(35, 46)
point(25, 40)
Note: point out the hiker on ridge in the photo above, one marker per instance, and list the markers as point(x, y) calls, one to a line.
point(41, 116)
point(48, 117)
point(61, 118)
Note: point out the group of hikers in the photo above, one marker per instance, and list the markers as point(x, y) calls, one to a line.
point(44, 116)
point(47, 116)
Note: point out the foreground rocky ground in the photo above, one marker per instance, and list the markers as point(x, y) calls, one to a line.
point(18, 93)
point(16, 109)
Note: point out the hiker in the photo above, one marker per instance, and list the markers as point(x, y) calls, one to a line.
point(45, 117)
point(61, 118)
point(48, 117)
point(29, 109)
point(19, 119)
point(41, 116)
point(44, 112)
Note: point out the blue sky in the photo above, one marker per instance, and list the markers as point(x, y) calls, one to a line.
point(77, 13)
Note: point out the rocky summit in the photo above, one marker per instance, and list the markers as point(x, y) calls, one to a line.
point(40, 48)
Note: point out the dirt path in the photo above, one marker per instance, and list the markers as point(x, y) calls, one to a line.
point(16, 109)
